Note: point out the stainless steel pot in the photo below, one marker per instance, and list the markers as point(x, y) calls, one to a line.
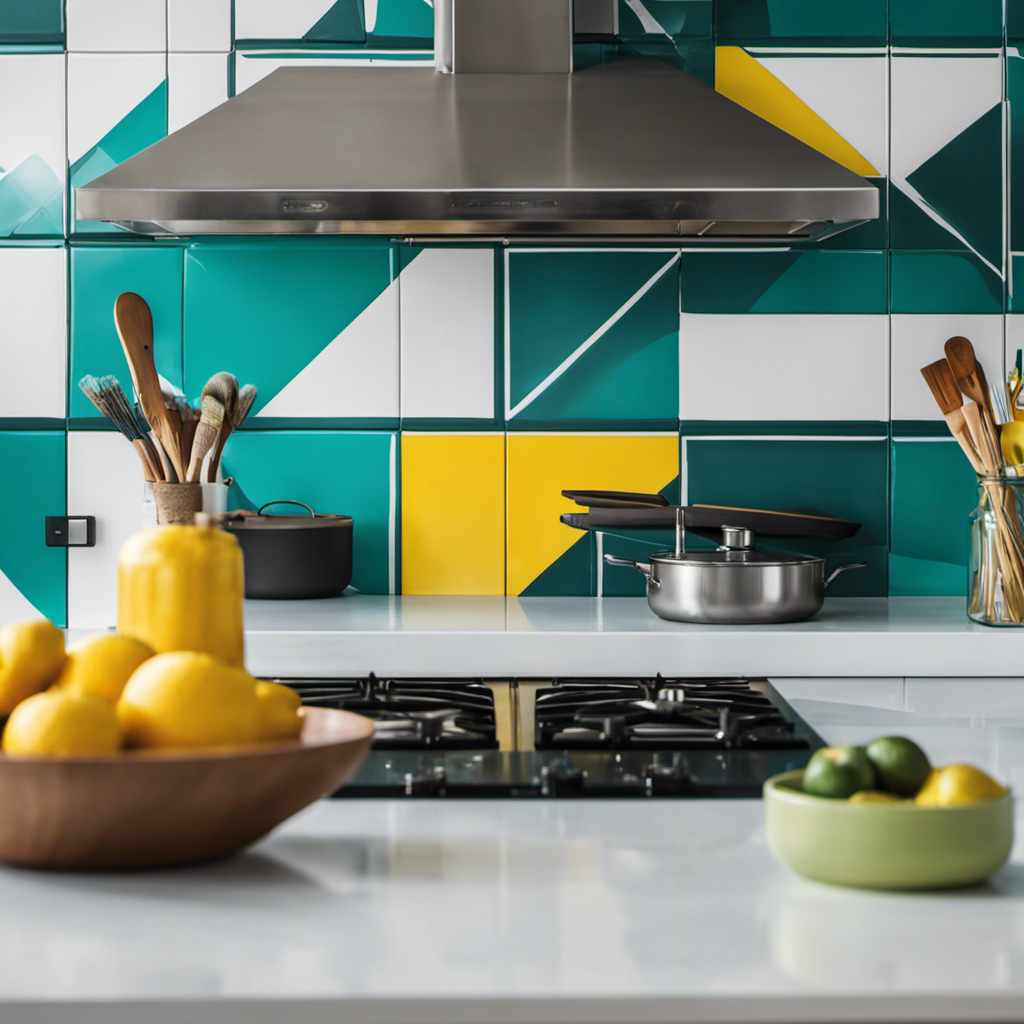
point(734, 584)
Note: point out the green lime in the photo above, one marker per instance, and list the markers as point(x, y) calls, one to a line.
point(824, 777)
point(901, 765)
point(856, 758)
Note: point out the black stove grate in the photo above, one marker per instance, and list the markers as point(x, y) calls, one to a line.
point(660, 713)
point(412, 714)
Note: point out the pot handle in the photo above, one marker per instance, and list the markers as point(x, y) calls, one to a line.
point(842, 568)
point(629, 563)
point(285, 501)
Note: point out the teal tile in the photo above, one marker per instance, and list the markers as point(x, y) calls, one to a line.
point(1014, 21)
point(37, 461)
point(257, 21)
point(677, 19)
point(944, 282)
point(844, 478)
point(32, 22)
point(946, 23)
point(946, 166)
point(401, 22)
point(929, 551)
point(793, 281)
point(593, 336)
point(99, 273)
point(340, 471)
point(872, 234)
point(805, 22)
point(1015, 140)
point(290, 305)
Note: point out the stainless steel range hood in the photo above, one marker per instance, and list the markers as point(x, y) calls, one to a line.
point(633, 148)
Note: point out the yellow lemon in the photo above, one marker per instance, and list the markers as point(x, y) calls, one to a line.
point(874, 796)
point(62, 724)
point(279, 717)
point(102, 664)
point(958, 784)
point(31, 656)
point(189, 699)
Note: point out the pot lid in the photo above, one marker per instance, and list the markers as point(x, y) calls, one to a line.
point(252, 521)
point(740, 557)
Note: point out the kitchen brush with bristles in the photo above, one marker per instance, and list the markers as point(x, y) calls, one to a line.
point(217, 400)
point(108, 396)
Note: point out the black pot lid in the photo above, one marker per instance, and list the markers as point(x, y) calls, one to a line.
point(251, 521)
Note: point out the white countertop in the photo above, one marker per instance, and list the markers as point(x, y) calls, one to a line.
point(911, 636)
point(519, 912)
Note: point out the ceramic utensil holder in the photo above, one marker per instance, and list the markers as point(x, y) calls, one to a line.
point(215, 498)
point(177, 504)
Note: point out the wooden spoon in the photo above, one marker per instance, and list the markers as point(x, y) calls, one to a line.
point(134, 323)
point(246, 396)
point(970, 378)
point(940, 380)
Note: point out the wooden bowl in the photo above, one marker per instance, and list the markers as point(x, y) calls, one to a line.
point(885, 845)
point(152, 809)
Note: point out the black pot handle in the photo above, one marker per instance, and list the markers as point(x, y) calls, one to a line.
point(285, 501)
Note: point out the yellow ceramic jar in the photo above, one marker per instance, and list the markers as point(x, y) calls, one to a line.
point(181, 588)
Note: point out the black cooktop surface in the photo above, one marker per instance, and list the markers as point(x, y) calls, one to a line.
point(654, 736)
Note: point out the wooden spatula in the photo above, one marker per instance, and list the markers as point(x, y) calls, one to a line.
point(942, 384)
point(134, 323)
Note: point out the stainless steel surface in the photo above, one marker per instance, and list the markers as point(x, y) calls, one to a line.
point(736, 538)
point(510, 36)
point(633, 148)
point(731, 588)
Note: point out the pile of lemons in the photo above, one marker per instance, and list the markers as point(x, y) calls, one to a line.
point(893, 769)
point(109, 691)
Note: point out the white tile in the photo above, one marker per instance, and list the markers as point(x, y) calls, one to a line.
point(967, 698)
point(196, 83)
point(355, 375)
point(32, 137)
point(271, 19)
point(199, 25)
point(850, 94)
point(33, 327)
point(103, 88)
point(13, 603)
point(835, 366)
point(105, 26)
point(105, 481)
point(934, 99)
point(447, 302)
point(918, 339)
point(253, 65)
point(861, 692)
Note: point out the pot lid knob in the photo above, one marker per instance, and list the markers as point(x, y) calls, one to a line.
point(736, 538)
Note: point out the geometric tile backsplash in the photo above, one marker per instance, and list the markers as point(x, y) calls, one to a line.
point(443, 395)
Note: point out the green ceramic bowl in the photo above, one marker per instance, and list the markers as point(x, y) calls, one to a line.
point(885, 846)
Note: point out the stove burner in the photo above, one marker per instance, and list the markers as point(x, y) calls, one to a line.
point(660, 714)
point(412, 714)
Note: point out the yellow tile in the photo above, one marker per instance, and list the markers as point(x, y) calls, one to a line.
point(453, 514)
point(749, 83)
point(540, 466)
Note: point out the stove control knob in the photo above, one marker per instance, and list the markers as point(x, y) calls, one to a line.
point(666, 779)
point(561, 778)
point(429, 783)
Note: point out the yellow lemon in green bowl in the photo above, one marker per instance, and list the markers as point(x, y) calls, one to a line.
point(886, 845)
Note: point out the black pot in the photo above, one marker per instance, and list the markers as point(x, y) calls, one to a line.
point(293, 556)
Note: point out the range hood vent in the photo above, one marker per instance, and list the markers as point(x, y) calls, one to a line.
point(501, 139)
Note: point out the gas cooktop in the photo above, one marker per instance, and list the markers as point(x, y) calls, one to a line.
point(568, 737)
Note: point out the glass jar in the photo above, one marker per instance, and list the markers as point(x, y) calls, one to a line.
point(995, 572)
